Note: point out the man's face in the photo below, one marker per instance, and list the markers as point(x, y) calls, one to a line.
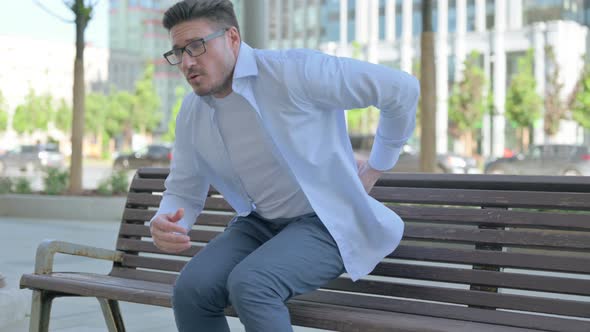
point(210, 73)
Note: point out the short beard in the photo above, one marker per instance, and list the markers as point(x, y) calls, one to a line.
point(225, 86)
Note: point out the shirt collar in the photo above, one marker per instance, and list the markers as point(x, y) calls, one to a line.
point(246, 62)
point(245, 66)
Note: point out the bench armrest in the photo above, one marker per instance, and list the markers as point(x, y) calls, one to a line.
point(48, 248)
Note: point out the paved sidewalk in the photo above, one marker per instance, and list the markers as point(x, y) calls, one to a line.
point(18, 241)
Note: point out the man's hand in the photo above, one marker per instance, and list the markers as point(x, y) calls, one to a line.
point(167, 234)
point(368, 175)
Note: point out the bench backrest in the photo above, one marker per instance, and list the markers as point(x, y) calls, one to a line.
point(499, 249)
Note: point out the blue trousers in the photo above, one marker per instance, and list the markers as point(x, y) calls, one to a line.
point(255, 265)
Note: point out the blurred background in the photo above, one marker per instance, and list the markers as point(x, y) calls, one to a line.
point(510, 85)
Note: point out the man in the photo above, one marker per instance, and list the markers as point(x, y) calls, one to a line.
point(267, 129)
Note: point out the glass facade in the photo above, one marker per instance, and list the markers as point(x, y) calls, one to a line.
point(137, 38)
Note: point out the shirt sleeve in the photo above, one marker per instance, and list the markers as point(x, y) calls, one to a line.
point(335, 83)
point(186, 186)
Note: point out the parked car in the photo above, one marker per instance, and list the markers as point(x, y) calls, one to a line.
point(155, 155)
point(547, 159)
point(409, 162)
point(32, 158)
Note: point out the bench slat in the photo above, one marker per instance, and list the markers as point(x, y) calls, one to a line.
point(134, 246)
point(460, 216)
point(149, 200)
point(431, 254)
point(467, 297)
point(447, 311)
point(144, 231)
point(487, 182)
point(493, 217)
point(143, 200)
point(417, 272)
point(147, 185)
point(503, 237)
point(496, 198)
point(135, 274)
point(155, 263)
point(538, 238)
point(205, 218)
point(545, 262)
point(555, 284)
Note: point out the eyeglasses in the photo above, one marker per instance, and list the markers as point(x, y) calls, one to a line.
point(194, 48)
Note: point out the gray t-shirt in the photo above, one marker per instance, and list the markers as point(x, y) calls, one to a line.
point(265, 176)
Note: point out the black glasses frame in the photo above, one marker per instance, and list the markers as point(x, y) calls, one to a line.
point(180, 50)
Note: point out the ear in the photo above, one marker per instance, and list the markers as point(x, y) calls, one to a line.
point(234, 37)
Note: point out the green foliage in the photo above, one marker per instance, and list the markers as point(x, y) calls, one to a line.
point(119, 182)
point(35, 113)
point(96, 113)
point(116, 183)
point(361, 120)
point(119, 109)
point(5, 185)
point(170, 134)
point(63, 117)
point(3, 113)
point(56, 181)
point(523, 104)
point(22, 186)
point(468, 104)
point(555, 107)
point(146, 104)
point(104, 188)
point(581, 106)
point(82, 11)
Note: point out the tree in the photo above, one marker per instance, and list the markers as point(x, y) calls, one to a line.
point(467, 104)
point(106, 115)
point(3, 114)
point(581, 101)
point(428, 88)
point(171, 133)
point(146, 115)
point(34, 113)
point(523, 104)
point(143, 115)
point(63, 117)
point(83, 14)
point(555, 107)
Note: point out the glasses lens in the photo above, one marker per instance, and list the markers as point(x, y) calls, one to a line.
point(196, 48)
point(172, 58)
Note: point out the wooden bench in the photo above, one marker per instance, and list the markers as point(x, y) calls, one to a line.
point(480, 253)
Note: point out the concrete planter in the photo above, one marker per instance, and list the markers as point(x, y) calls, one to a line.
point(62, 207)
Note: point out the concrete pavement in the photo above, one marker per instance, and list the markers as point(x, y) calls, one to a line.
point(19, 238)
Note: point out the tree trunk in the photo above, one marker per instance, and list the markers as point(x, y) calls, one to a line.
point(525, 138)
point(78, 111)
point(428, 90)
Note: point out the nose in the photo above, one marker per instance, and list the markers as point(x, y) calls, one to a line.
point(187, 60)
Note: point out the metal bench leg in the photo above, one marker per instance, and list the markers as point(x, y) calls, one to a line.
point(112, 315)
point(40, 311)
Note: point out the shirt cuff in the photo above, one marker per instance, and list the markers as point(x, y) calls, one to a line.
point(170, 204)
point(383, 157)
